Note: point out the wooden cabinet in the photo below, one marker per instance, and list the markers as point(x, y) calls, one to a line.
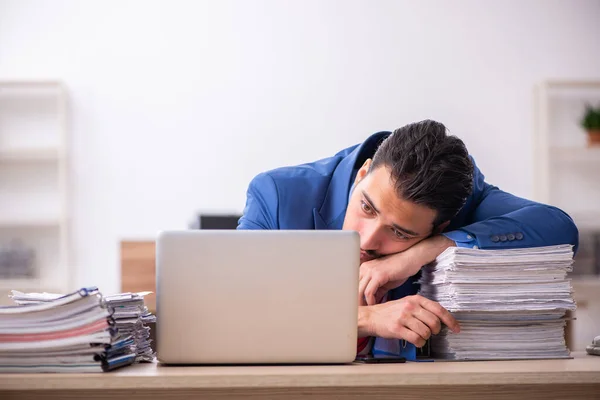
point(138, 269)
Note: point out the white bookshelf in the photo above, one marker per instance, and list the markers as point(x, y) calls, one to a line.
point(567, 175)
point(34, 184)
point(566, 170)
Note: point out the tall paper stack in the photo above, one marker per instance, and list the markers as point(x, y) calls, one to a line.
point(511, 304)
point(70, 333)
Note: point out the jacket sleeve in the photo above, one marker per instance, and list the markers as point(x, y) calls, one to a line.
point(496, 219)
point(262, 204)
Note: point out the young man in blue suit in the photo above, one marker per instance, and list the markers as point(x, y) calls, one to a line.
point(410, 195)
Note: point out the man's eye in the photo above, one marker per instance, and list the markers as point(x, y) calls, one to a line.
point(366, 208)
point(400, 235)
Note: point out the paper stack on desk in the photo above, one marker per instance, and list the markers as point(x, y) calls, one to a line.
point(54, 333)
point(511, 304)
point(131, 316)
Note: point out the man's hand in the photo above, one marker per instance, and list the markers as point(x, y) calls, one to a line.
point(412, 318)
point(381, 275)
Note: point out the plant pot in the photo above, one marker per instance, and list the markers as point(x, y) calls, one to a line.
point(594, 137)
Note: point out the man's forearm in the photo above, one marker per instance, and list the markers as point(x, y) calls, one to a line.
point(427, 250)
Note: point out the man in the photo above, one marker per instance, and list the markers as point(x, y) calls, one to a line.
point(410, 195)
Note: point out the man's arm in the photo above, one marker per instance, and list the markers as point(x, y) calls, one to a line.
point(495, 219)
point(261, 207)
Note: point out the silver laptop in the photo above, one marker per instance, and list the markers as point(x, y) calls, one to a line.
point(257, 297)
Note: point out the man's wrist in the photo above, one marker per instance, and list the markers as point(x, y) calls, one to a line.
point(441, 243)
point(364, 322)
point(431, 248)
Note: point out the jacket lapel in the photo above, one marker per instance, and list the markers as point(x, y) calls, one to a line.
point(319, 223)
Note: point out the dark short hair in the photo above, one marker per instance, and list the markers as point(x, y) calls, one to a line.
point(428, 167)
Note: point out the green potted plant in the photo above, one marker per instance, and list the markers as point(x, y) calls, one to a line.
point(591, 123)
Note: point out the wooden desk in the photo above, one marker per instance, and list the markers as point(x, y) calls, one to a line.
point(578, 378)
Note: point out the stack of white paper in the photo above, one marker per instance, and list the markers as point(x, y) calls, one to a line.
point(509, 303)
point(131, 316)
point(70, 333)
point(128, 316)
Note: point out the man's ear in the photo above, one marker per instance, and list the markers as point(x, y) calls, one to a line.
point(363, 171)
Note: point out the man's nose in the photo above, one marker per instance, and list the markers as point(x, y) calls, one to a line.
point(369, 237)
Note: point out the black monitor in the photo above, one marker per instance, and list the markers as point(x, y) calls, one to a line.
point(216, 221)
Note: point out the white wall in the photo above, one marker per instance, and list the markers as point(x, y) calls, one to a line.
point(176, 105)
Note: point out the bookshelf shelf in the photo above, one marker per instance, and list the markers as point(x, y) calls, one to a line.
point(573, 154)
point(42, 154)
point(9, 223)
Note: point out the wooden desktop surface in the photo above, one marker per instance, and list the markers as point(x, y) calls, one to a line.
point(577, 378)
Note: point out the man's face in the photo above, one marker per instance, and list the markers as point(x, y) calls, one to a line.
point(386, 223)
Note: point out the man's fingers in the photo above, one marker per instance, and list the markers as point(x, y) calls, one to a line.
point(411, 336)
point(370, 292)
point(429, 319)
point(443, 314)
point(419, 328)
point(380, 294)
point(362, 285)
point(364, 270)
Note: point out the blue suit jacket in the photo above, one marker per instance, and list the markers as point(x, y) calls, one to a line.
point(315, 196)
